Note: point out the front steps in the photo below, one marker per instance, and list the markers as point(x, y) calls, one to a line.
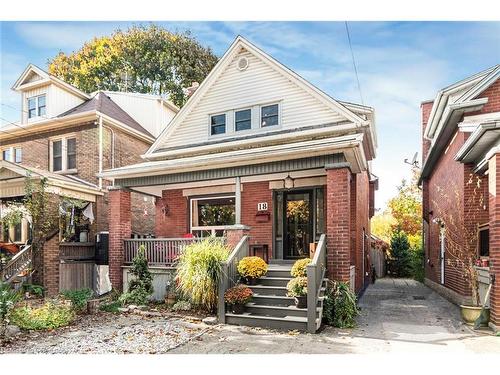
point(270, 307)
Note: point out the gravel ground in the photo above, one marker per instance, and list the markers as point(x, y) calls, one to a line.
point(112, 334)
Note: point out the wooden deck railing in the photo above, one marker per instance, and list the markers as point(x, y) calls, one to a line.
point(159, 251)
point(19, 263)
point(229, 275)
point(315, 274)
point(76, 250)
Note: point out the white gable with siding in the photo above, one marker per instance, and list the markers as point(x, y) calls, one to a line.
point(264, 81)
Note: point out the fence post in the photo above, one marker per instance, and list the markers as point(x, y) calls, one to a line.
point(311, 298)
point(223, 283)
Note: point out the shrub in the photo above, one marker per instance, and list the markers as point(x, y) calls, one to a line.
point(340, 309)
point(8, 299)
point(399, 260)
point(78, 298)
point(297, 287)
point(252, 267)
point(299, 268)
point(48, 316)
point(182, 306)
point(36, 290)
point(417, 263)
point(238, 294)
point(140, 287)
point(199, 270)
point(111, 307)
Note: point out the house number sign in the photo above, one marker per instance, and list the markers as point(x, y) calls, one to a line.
point(262, 206)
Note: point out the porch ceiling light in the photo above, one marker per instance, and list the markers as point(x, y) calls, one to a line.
point(288, 182)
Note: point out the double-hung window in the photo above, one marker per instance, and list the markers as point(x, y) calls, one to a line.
point(71, 153)
point(243, 120)
point(13, 154)
point(37, 106)
point(6, 155)
point(269, 115)
point(218, 124)
point(18, 155)
point(63, 154)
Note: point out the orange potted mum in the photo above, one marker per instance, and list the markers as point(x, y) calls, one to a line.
point(237, 297)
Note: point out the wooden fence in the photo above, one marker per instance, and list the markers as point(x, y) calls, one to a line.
point(76, 274)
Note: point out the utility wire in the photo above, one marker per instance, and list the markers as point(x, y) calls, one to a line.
point(354, 62)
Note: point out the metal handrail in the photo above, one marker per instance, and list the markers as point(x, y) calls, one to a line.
point(229, 274)
point(315, 274)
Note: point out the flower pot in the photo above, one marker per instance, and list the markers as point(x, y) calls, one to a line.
point(251, 280)
point(238, 308)
point(170, 298)
point(301, 302)
point(471, 313)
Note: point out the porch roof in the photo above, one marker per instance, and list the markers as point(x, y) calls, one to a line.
point(12, 182)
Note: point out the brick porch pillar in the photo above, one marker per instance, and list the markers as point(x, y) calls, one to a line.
point(235, 233)
point(494, 211)
point(120, 227)
point(338, 222)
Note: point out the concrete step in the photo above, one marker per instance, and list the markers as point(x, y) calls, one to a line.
point(274, 281)
point(278, 272)
point(252, 320)
point(277, 311)
point(268, 290)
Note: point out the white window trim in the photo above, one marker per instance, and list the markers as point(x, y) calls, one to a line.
point(64, 151)
point(212, 228)
point(36, 117)
point(279, 115)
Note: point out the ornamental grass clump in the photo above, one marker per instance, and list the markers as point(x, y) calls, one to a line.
point(297, 287)
point(252, 267)
point(299, 268)
point(238, 295)
point(199, 270)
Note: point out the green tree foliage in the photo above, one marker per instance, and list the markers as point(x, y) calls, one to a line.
point(145, 59)
point(399, 261)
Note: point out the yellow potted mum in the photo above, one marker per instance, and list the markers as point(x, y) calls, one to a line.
point(252, 268)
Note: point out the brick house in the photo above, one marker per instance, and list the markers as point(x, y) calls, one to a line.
point(258, 151)
point(460, 138)
point(68, 136)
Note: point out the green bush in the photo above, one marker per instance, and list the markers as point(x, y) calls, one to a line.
point(111, 307)
point(36, 290)
point(199, 271)
point(78, 298)
point(340, 309)
point(48, 316)
point(140, 287)
point(8, 299)
point(417, 263)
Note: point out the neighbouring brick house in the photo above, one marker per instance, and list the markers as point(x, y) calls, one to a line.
point(258, 150)
point(461, 134)
point(68, 137)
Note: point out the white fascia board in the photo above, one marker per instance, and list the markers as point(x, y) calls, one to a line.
point(239, 157)
point(483, 85)
point(334, 129)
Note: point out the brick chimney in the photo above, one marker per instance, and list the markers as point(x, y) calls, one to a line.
point(426, 108)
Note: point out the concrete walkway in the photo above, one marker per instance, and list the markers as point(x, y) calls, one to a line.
point(397, 315)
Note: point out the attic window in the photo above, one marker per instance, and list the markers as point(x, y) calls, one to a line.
point(36, 106)
point(269, 115)
point(218, 124)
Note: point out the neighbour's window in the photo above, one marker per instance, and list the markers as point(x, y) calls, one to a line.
point(57, 155)
point(18, 232)
point(243, 120)
point(484, 242)
point(218, 124)
point(210, 215)
point(6, 155)
point(269, 115)
point(18, 155)
point(71, 153)
point(36, 106)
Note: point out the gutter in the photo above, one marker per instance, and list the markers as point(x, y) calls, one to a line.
point(474, 138)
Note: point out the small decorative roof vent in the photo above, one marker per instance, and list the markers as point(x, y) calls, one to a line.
point(242, 63)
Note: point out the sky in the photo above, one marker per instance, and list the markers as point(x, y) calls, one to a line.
point(399, 64)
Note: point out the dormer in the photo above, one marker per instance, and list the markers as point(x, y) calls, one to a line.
point(45, 96)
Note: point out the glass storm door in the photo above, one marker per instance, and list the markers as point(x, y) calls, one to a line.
point(298, 228)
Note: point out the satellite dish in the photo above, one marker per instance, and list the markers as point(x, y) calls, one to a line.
point(414, 158)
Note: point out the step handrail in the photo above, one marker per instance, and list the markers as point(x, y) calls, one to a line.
point(315, 274)
point(17, 264)
point(229, 274)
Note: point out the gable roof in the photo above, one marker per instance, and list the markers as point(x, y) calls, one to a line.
point(45, 77)
point(236, 46)
point(105, 105)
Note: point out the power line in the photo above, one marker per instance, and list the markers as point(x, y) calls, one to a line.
point(19, 126)
point(354, 61)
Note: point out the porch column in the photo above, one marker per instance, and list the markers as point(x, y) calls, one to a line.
point(120, 227)
point(338, 221)
point(494, 226)
point(234, 234)
point(237, 195)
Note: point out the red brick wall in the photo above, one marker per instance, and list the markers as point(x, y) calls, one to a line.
point(260, 232)
point(361, 221)
point(119, 228)
point(175, 222)
point(494, 209)
point(425, 108)
point(493, 95)
point(338, 222)
point(51, 266)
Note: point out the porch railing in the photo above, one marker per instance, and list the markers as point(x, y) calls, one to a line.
point(19, 263)
point(159, 251)
point(315, 275)
point(76, 250)
point(229, 275)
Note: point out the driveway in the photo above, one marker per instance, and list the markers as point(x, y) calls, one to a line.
point(397, 315)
